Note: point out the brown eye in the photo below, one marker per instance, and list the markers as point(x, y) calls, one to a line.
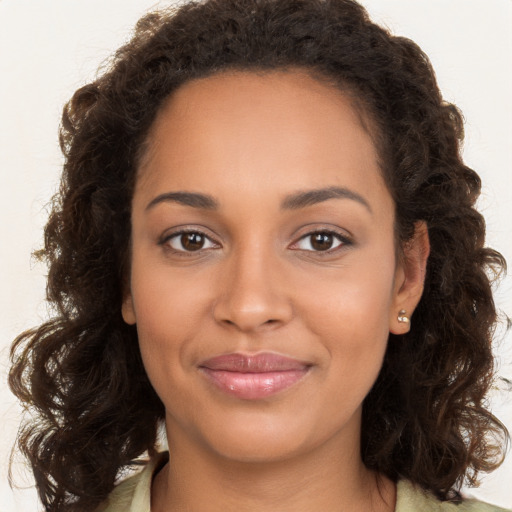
point(322, 241)
point(190, 241)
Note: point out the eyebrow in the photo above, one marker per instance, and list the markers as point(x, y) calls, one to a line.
point(193, 199)
point(294, 201)
point(312, 197)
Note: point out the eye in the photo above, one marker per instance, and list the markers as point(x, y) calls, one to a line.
point(189, 241)
point(320, 241)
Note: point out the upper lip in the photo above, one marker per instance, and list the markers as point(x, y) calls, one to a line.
point(253, 363)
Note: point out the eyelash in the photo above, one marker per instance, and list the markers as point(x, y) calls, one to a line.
point(343, 240)
point(165, 241)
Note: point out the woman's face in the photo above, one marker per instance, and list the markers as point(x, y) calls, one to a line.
point(264, 281)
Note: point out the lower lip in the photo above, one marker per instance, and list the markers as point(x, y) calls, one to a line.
point(254, 386)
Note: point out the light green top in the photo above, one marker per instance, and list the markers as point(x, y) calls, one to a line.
point(134, 495)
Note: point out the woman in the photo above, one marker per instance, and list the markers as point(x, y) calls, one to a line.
point(266, 239)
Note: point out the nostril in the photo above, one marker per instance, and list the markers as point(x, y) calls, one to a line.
point(255, 308)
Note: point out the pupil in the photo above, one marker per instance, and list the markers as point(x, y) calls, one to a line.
point(322, 241)
point(192, 241)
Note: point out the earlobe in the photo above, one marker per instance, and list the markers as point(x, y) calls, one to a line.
point(410, 279)
point(128, 311)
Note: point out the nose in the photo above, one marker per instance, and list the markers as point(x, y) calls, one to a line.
point(252, 293)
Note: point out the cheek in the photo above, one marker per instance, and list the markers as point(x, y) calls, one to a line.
point(349, 312)
point(166, 299)
point(169, 310)
point(355, 298)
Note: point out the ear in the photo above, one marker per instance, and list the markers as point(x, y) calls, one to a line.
point(128, 310)
point(409, 279)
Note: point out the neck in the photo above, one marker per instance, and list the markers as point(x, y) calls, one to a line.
point(196, 479)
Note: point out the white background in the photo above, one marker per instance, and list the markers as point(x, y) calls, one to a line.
point(48, 49)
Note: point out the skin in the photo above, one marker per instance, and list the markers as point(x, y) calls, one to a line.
point(250, 141)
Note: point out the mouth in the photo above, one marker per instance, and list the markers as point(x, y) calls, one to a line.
point(253, 377)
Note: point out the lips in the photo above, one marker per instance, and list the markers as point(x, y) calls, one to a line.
point(253, 377)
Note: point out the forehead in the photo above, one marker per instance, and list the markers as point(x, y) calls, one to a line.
point(239, 130)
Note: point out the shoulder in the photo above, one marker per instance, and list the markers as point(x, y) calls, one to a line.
point(411, 498)
point(134, 493)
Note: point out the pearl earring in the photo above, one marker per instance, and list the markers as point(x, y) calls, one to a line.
point(402, 317)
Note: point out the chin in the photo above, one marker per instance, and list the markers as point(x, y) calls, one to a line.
point(260, 437)
point(259, 448)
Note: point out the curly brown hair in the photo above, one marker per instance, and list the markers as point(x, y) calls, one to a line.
point(81, 372)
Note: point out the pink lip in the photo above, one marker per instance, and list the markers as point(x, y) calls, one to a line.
point(252, 377)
